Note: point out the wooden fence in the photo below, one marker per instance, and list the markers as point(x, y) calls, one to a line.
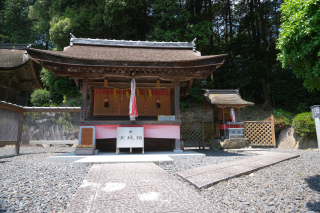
point(197, 133)
point(11, 116)
point(260, 133)
point(10, 125)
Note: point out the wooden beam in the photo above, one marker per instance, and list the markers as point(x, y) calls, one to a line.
point(127, 85)
point(169, 77)
point(139, 84)
point(177, 100)
point(8, 87)
point(121, 122)
point(10, 107)
point(84, 99)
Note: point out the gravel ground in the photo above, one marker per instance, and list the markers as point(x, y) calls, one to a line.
point(30, 184)
point(289, 186)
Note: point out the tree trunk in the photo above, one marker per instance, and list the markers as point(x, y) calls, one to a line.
point(265, 77)
point(230, 20)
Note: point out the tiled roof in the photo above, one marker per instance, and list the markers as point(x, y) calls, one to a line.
point(12, 58)
point(113, 53)
point(225, 97)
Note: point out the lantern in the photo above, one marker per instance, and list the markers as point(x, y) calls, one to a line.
point(158, 103)
point(106, 102)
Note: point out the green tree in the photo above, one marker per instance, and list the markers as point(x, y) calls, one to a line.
point(60, 88)
point(15, 26)
point(40, 97)
point(299, 40)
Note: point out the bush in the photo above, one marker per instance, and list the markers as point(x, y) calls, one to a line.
point(40, 97)
point(281, 122)
point(74, 103)
point(84, 146)
point(304, 125)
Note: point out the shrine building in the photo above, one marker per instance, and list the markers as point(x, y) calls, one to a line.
point(103, 69)
point(19, 75)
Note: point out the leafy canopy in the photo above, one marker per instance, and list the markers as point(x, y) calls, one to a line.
point(299, 40)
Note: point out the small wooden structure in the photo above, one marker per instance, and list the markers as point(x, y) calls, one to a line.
point(221, 102)
point(103, 69)
point(18, 74)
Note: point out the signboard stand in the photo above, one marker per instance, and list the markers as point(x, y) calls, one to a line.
point(87, 135)
point(130, 137)
point(316, 115)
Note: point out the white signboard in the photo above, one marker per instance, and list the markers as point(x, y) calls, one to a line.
point(166, 118)
point(130, 137)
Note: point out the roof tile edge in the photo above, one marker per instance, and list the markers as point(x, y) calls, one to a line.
point(125, 43)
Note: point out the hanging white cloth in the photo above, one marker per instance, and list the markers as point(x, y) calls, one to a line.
point(233, 115)
point(133, 112)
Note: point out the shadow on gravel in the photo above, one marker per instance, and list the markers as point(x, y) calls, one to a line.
point(217, 153)
point(314, 184)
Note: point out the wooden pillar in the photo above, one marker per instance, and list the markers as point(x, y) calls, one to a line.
point(177, 109)
point(216, 121)
point(238, 114)
point(19, 134)
point(176, 100)
point(91, 90)
point(202, 132)
point(223, 121)
point(172, 98)
point(84, 99)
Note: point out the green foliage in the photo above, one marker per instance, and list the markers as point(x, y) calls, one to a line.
point(281, 112)
point(60, 88)
point(25, 127)
point(60, 29)
point(84, 146)
point(15, 26)
point(74, 103)
point(299, 40)
point(39, 97)
point(281, 121)
point(304, 125)
point(194, 98)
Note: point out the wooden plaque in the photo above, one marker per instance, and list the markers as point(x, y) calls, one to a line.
point(86, 136)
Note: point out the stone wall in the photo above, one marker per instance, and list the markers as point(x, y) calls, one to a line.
point(290, 139)
point(50, 126)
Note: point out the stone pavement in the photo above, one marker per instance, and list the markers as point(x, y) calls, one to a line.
point(207, 176)
point(158, 157)
point(135, 187)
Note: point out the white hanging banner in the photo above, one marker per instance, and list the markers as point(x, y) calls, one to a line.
point(133, 112)
point(233, 115)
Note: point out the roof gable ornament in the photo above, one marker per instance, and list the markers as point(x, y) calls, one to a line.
point(194, 45)
point(71, 39)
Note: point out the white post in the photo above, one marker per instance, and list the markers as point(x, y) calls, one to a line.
point(317, 121)
point(316, 115)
